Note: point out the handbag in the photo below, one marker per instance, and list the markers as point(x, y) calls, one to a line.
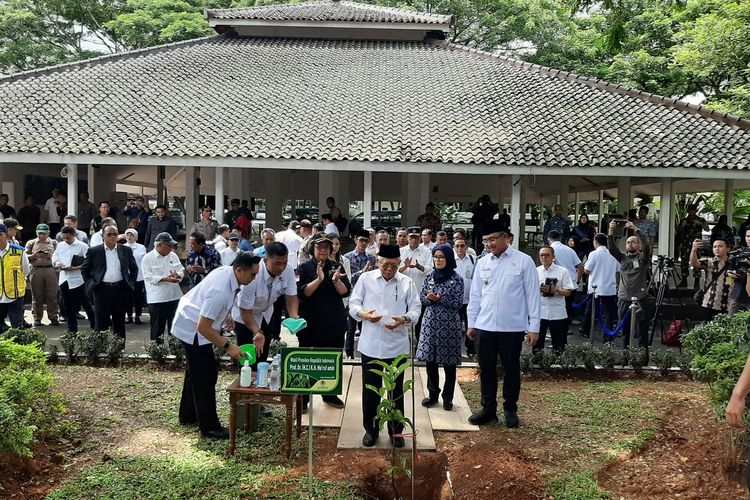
point(77, 261)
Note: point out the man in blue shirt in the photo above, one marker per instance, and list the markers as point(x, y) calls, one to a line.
point(361, 262)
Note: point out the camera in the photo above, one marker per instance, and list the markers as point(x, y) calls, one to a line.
point(739, 260)
point(549, 283)
point(664, 262)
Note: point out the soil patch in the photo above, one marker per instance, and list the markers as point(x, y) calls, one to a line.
point(686, 459)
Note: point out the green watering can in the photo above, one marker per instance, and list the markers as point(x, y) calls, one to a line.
point(248, 352)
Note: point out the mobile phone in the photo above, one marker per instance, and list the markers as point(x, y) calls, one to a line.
point(549, 282)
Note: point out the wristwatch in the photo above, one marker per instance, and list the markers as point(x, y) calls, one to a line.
point(407, 320)
point(226, 345)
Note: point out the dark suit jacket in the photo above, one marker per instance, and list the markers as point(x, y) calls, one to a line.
point(95, 266)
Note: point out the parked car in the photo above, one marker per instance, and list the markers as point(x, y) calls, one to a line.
point(390, 220)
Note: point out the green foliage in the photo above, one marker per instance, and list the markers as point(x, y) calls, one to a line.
point(527, 361)
point(175, 348)
point(608, 356)
point(637, 358)
point(576, 487)
point(53, 356)
point(587, 355)
point(719, 350)
point(387, 411)
point(545, 359)
point(664, 360)
point(568, 357)
point(157, 351)
point(28, 407)
point(26, 336)
point(69, 343)
point(92, 345)
point(115, 348)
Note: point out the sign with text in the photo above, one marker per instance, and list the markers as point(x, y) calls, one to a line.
point(311, 370)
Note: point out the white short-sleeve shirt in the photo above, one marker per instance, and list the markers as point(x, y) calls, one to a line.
point(553, 308)
point(602, 269)
point(260, 295)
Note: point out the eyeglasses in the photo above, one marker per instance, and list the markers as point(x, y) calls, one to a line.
point(458, 245)
point(363, 240)
point(438, 257)
point(389, 266)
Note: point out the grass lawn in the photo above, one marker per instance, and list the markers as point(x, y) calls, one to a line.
point(579, 440)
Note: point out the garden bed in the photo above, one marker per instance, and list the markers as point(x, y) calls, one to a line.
point(583, 435)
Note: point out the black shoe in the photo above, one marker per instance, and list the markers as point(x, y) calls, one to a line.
point(398, 442)
point(54, 322)
point(188, 423)
point(683, 284)
point(37, 323)
point(128, 321)
point(511, 420)
point(221, 433)
point(138, 320)
point(334, 401)
point(26, 324)
point(369, 439)
point(447, 405)
point(429, 402)
point(483, 417)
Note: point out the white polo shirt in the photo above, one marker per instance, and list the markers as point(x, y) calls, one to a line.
point(465, 269)
point(260, 295)
point(602, 269)
point(395, 297)
point(63, 256)
point(422, 255)
point(505, 294)
point(553, 308)
point(212, 298)
point(567, 258)
point(155, 267)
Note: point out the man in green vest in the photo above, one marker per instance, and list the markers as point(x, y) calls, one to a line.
point(14, 267)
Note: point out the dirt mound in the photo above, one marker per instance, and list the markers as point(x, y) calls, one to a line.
point(681, 461)
point(31, 478)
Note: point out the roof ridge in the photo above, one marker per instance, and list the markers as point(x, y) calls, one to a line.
point(117, 55)
point(362, 5)
point(615, 88)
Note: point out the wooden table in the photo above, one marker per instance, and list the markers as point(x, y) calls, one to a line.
point(261, 396)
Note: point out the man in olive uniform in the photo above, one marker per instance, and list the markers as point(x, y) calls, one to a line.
point(688, 230)
point(43, 276)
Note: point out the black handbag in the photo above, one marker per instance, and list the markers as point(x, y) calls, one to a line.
point(700, 294)
point(77, 261)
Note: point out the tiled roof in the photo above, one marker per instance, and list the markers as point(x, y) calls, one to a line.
point(328, 10)
point(354, 100)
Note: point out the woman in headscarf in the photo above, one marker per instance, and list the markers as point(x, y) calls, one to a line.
point(584, 236)
point(441, 339)
point(322, 287)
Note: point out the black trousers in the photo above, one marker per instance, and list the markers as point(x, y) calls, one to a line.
point(641, 325)
point(351, 329)
point(13, 311)
point(245, 336)
point(433, 381)
point(109, 307)
point(418, 324)
point(274, 327)
point(608, 304)
point(371, 400)
point(198, 401)
point(558, 330)
point(136, 300)
point(161, 315)
point(508, 345)
point(72, 300)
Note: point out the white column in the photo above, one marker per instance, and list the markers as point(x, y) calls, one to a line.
point(729, 199)
point(624, 196)
point(326, 188)
point(72, 188)
point(274, 218)
point(2, 178)
point(666, 242)
point(564, 193)
point(367, 200)
point(191, 202)
point(91, 182)
point(219, 188)
point(517, 215)
point(601, 209)
point(578, 206)
point(416, 194)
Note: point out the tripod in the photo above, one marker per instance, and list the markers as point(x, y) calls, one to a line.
point(665, 270)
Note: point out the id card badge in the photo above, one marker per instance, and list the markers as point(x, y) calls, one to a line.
point(636, 264)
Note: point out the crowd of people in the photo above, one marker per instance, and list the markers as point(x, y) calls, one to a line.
point(452, 290)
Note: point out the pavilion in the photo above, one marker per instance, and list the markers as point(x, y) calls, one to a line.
point(363, 102)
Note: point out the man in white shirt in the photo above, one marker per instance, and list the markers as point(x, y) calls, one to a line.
point(465, 268)
point(385, 301)
point(50, 214)
point(602, 270)
point(197, 324)
point(162, 275)
point(230, 253)
point(68, 258)
point(372, 245)
point(292, 240)
point(554, 285)
point(567, 258)
point(220, 241)
point(14, 268)
point(253, 310)
point(329, 226)
point(416, 263)
point(98, 237)
point(72, 221)
point(504, 307)
point(427, 242)
point(306, 233)
point(267, 236)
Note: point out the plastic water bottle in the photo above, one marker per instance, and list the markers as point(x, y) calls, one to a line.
point(262, 374)
point(276, 373)
point(246, 375)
